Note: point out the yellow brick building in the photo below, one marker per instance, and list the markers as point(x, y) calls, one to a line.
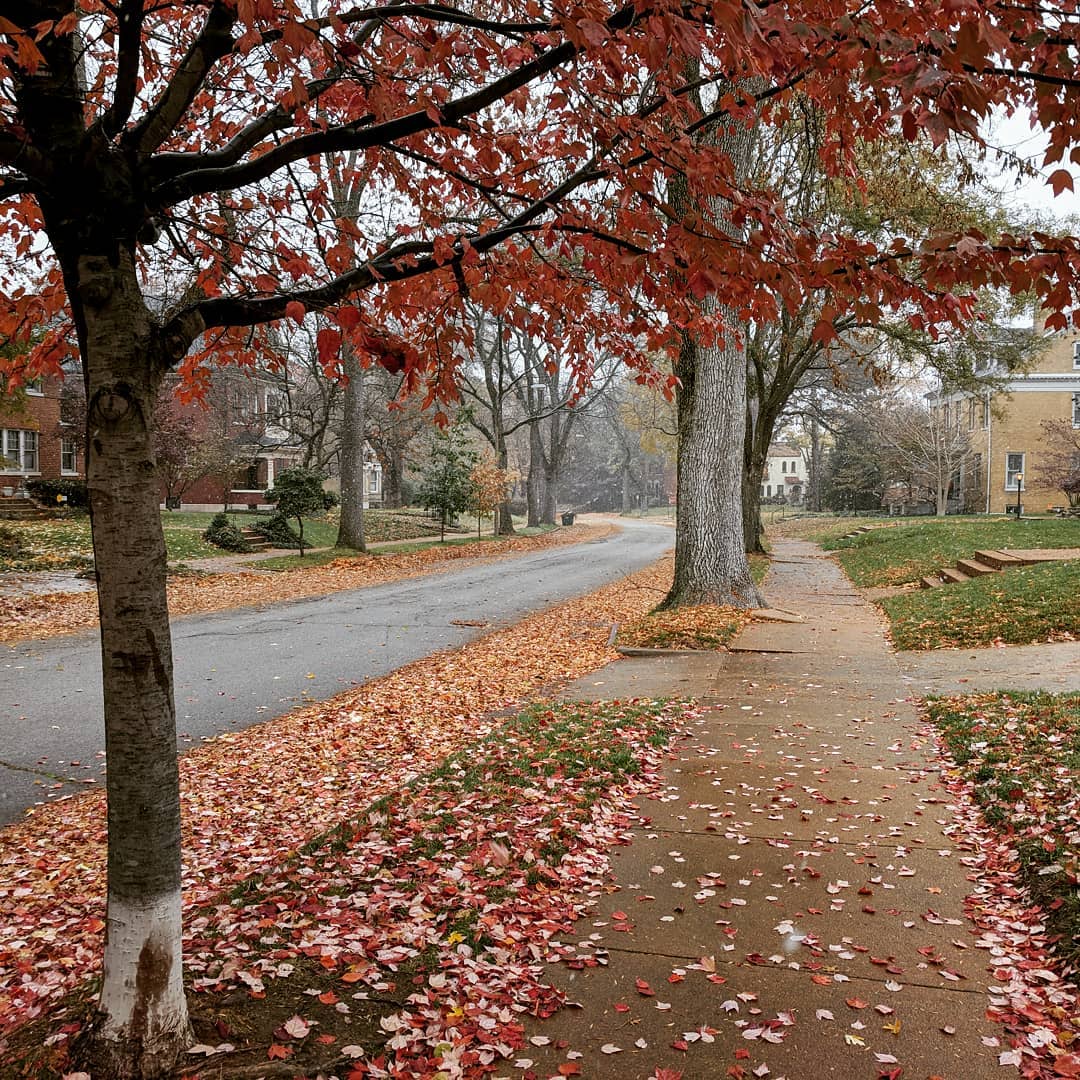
point(1006, 433)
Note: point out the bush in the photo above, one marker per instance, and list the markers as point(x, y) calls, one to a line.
point(224, 534)
point(46, 491)
point(330, 499)
point(278, 531)
point(11, 543)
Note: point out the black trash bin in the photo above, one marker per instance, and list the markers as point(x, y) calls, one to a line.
point(568, 518)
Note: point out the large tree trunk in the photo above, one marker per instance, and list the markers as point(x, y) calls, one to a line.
point(710, 553)
point(710, 550)
point(551, 491)
point(351, 526)
point(143, 1024)
point(627, 494)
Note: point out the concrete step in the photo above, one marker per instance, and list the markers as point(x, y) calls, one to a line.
point(24, 513)
point(953, 577)
point(975, 568)
point(928, 582)
point(255, 541)
point(999, 560)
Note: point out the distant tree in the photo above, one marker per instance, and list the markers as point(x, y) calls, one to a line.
point(297, 492)
point(446, 481)
point(488, 488)
point(176, 442)
point(1059, 466)
point(854, 472)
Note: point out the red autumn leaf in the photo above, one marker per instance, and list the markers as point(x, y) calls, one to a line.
point(278, 1052)
point(644, 988)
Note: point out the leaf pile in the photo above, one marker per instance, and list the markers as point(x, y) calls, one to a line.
point(1018, 814)
point(323, 764)
point(705, 626)
point(472, 873)
point(51, 614)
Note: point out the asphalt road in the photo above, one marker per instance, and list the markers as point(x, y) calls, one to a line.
point(238, 668)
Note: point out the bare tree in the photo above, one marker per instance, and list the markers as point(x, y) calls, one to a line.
point(1058, 467)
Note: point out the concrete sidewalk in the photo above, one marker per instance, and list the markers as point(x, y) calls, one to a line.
point(790, 904)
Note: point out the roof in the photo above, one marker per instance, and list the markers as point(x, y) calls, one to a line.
point(782, 450)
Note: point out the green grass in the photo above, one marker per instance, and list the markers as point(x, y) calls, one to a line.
point(1017, 607)
point(1021, 753)
point(902, 553)
point(64, 544)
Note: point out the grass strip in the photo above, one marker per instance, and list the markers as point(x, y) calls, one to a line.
point(1017, 607)
point(1020, 752)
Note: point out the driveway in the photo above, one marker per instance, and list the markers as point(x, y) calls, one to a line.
point(238, 668)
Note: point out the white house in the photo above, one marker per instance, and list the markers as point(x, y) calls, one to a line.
point(785, 475)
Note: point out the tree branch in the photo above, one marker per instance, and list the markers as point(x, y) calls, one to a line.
point(215, 41)
point(128, 54)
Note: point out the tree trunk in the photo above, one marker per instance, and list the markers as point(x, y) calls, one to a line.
point(351, 526)
point(143, 1020)
point(504, 522)
point(551, 491)
point(627, 497)
point(534, 482)
point(393, 468)
point(755, 458)
point(710, 553)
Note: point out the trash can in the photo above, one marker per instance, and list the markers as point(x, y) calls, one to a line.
point(568, 518)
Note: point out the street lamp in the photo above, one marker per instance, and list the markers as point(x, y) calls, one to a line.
point(1019, 485)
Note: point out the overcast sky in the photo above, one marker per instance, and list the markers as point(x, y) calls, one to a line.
point(1015, 134)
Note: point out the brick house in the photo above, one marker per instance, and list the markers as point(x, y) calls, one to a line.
point(1005, 430)
point(32, 441)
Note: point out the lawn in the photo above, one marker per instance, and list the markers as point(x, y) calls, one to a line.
point(1017, 607)
point(901, 553)
point(1021, 753)
point(65, 543)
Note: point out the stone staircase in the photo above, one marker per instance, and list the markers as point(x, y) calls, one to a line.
point(16, 508)
point(864, 529)
point(255, 541)
point(981, 563)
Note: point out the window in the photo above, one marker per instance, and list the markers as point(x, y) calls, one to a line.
point(768, 491)
point(36, 387)
point(1076, 355)
point(986, 412)
point(1014, 466)
point(1076, 410)
point(976, 472)
point(945, 416)
point(763, 490)
point(20, 451)
point(68, 463)
point(971, 415)
point(373, 482)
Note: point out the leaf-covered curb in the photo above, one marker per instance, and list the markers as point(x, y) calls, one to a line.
point(45, 615)
point(250, 798)
point(1014, 760)
point(703, 627)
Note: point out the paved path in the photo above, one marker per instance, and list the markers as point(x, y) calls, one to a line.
point(798, 848)
point(238, 668)
point(1053, 667)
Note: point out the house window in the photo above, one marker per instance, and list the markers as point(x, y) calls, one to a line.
point(783, 466)
point(373, 482)
point(986, 412)
point(67, 456)
point(945, 416)
point(1014, 466)
point(971, 415)
point(768, 491)
point(20, 451)
point(36, 387)
point(1076, 355)
point(763, 490)
point(1076, 410)
point(976, 472)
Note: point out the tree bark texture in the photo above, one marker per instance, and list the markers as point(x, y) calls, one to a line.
point(351, 525)
point(504, 522)
point(143, 1013)
point(755, 460)
point(710, 551)
point(534, 482)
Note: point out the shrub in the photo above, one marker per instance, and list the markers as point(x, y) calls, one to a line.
point(46, 491)
point(330, 499)
point(278, 531)
point(224, 534)
point(11, 543)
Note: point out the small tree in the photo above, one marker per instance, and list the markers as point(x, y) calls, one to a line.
point(1059, 466)
point(488, 488)
point(446, 481)
point(297, 492)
